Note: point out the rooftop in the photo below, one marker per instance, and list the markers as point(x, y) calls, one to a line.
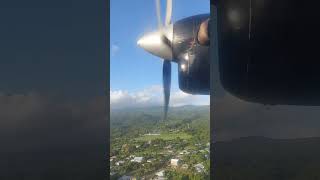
point(137, 159)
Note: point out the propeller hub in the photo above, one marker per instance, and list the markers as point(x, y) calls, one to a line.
point(158, 43)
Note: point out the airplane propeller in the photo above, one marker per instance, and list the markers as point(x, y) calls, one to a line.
point(166, 71)
point(159, 43)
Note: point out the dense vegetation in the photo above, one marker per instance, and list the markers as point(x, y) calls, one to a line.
point(139, 132)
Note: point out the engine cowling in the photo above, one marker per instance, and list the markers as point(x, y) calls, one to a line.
point(192, 58)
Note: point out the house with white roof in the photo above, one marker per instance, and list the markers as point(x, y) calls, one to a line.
point(119, 163)
point(160, 175)
point(137, 159)
point(199, 167)
point(174, 162)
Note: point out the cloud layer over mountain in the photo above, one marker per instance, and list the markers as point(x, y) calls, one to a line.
point(153, 96)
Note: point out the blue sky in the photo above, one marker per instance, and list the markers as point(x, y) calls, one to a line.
point(131, 68)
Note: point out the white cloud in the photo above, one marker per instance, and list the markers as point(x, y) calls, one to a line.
point(153, 96)
point(114, 49)
point(179, 98)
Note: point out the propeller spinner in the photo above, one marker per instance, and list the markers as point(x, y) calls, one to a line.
point(158, 43)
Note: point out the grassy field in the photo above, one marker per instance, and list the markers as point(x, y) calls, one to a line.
point(164, 136)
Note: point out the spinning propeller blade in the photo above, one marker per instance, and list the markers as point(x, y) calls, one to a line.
point(159, 43)
point(166, 69)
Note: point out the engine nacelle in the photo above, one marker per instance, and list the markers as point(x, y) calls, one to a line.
point(192, 58)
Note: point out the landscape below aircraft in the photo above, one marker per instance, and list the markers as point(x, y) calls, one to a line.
point(268, 51)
